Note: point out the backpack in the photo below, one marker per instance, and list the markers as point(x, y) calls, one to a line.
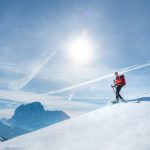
point(123, 80)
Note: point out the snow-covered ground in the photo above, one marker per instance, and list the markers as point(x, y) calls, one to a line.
point(123, 126)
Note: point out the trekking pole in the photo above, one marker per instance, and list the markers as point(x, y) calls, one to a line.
point(113, 101)
point(113, 89)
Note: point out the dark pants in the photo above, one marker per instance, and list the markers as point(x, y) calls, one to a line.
point(118, 89)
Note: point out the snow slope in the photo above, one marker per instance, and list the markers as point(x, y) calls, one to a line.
point(123, 126)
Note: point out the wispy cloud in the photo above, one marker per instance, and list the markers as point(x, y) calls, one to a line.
point(96, 79)
point(129, 67)
point(14, 68)
point(19, 84)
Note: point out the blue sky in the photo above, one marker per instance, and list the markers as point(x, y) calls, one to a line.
point(34, 33)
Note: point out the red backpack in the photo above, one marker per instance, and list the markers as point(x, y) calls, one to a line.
point(123, 80)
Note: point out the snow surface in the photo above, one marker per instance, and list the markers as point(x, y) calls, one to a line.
point(123, 126)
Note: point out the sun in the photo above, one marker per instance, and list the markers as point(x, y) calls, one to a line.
point(80, 50)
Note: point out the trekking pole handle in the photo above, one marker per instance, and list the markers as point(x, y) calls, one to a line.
point(112, 86)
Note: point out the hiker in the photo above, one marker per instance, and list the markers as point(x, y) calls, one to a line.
point(118, 84)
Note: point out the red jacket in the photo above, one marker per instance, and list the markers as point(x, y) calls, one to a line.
point(119, 81)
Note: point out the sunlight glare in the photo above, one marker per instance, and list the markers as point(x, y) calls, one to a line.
point(80, 50)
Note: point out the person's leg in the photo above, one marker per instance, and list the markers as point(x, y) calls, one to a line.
point(117, 93)
point(118, 89)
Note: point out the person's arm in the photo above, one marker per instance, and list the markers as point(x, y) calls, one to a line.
point(114, 84)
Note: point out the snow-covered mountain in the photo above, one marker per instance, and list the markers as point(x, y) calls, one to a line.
point(27, 118)
point(32, 116)
point(123, 126)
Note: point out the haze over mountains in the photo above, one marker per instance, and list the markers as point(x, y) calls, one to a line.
point(27, 118)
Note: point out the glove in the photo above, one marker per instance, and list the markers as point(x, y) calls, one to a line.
point(112, 86)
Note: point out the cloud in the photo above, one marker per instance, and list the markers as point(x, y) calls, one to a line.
point(19, 84)
point(73, 108)
point(6, 113)
point(129, 67)
point(14, 68)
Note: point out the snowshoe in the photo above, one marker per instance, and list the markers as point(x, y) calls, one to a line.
point(113, 102)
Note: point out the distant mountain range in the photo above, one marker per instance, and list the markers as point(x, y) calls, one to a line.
point(27, 118)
